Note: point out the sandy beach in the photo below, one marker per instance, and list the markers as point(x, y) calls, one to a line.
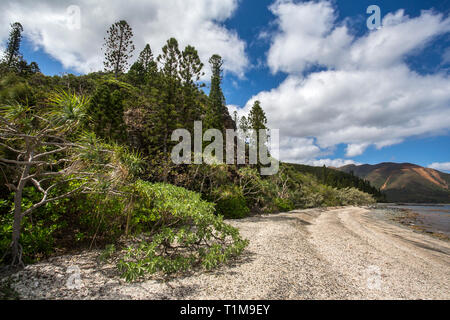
point(340, 253)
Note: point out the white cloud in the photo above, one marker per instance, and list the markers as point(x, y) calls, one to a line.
point(233, 108)
point(442, 166)
point(336, 163)
point(298, 149)
point(305, 36)
point(367, 95)
point(198, 23)
point(308, 35)
point(356, 149)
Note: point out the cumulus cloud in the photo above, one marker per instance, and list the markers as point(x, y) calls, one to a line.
point(336, 163)
point(357, 149)
point(198, 23)
point(294, 149)
point(442, 166)
point(366, 94)
point(308, 35)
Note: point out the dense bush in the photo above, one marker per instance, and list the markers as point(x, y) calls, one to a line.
point(188, 233)
point(284, 205)
point(232, 203)
point(353, 196)
point(38, 230)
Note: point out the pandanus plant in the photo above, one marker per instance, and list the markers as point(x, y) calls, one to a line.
point(50, 149)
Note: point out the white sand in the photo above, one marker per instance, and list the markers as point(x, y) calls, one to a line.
point(343, 253)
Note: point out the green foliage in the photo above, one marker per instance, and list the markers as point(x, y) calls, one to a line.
point(144, 70)
point(16, 90)
point(232, 203)
point(189, 234)
point(68, 108)
point(100, 218)
point(338, 179)
point(257, 118)
point(106, 110)
point(38, 230)
point(214, 118)
point(284, 205)
point(258, 192)
point(353, 196)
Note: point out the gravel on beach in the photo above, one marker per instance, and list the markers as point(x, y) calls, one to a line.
point(335, 253)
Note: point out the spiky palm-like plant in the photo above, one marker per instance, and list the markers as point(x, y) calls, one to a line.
point(50, 150)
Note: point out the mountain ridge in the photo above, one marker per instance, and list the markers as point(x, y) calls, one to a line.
point(405, 182)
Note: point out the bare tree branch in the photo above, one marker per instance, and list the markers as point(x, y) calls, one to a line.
point(45, 200)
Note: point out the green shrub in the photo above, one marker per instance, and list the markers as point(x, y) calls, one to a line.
point(38, 229)
point(100, 216)
point(330, 196)
point(258, 192)
point(284, 205)
point(353, 196)
point(189, 234)
point(232, 203)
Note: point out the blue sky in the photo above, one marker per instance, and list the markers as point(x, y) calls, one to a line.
point(297, 68)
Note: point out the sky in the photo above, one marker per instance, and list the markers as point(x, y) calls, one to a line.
point(339, 92)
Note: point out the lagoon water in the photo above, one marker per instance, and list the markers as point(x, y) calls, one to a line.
point(435, 218)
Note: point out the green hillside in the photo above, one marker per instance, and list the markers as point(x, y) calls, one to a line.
point(341, 179)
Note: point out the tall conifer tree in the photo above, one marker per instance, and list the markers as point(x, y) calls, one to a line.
point(12, 53)
point(190, 73)
point(170, 85)
point(118, 47)
point(215, 117)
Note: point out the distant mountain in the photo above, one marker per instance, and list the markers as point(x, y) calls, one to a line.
point(339, 179)
point(405, 182)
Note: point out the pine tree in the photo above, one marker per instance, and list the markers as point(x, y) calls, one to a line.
point(190, 73)
point(215, 114)
point(144, 70)
point(170, 84)
point(190, 67)
point(34, 67)
point(243, 124)
point(146, 58)
point(170, 59)
point(137, 74)
point(257, 121)
point(257, 118)
point(118, 47)
point(106, 111)
point(12, 53)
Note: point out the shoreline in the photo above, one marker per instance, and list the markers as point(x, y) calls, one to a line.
point(333, 253)
point(411, 219)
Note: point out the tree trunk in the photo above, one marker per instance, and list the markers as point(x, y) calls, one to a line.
point(116, 69)
point(15, 245)
point(16, 248)
point(11, 54)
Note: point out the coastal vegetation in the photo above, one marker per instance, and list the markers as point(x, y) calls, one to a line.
point(85, 163)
